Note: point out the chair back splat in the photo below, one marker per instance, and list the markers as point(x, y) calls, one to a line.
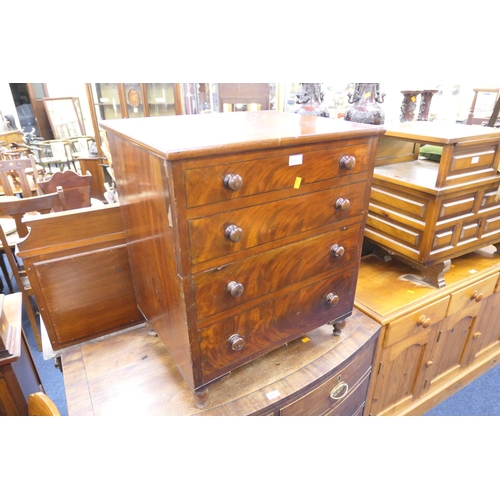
point(76, 188)
point(19, 176)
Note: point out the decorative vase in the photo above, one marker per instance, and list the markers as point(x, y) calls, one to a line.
point(310, 99)
point(425, 104)
point(409, 105)
point(365, 104)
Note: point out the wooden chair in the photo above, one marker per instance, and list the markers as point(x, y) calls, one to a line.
point(17, 209)
point(20, 176)
point(485, 108)
point(55, 153)
point(40, 405)
point(76, 188)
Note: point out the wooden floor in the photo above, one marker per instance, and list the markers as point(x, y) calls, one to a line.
point(131, 373)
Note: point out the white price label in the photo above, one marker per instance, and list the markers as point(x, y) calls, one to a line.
point(294, 160)
point(273, 395)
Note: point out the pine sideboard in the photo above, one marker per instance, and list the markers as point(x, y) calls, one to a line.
point(433, 341)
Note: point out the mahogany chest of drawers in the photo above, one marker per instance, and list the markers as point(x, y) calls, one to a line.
point(427, 213)
point(244, 230)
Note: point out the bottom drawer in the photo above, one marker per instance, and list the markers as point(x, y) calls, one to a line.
point(342, 394)
point(243, 337)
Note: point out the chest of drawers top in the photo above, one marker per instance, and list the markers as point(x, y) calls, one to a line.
point(185, 137)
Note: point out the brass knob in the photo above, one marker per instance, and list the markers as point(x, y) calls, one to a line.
point(235, 288)
point(233, 182)
point(337, 250)
point(236, 342)
point(429, 363)
point(233, 232)
point(342, 204)
point(332, 299)
point(477, 296)
point(334, 394)
point(424, 322)
point(347, 162)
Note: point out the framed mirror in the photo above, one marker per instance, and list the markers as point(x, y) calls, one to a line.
point(65, 116)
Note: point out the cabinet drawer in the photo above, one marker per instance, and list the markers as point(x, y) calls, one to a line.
point(270, 324)
point(287, 265)
point(415, 321)
point(473, 293)
point(348, 386)
point(271, 173)
point(268, 222)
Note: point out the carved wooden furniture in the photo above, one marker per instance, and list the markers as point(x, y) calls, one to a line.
point(76, 188)
point(93, 165)
point(244, 229)
point(133, 372)
point(77, 264)
point(19, 176)
point(433, 340)
point(235, 95)
point(18, 373)
point(426, 213)
point(18, 208)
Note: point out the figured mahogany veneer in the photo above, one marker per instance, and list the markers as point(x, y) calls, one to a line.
point(244, 230)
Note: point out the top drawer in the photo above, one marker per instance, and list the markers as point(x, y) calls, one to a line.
point(207, 183)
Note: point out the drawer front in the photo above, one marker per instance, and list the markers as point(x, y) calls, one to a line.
point(271, 173)
point(416, 321)
point(472, 160)
point(275, 269)
point(473, 293)
point(333, 393)
point(242, 337)
point(209, 236)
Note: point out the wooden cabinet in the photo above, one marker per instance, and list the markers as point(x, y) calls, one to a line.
point(7, 138)
point(244, 230)
point(426, 213)
point(109, 101)
point(433, 341)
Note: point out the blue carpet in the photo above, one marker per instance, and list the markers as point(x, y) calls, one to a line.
point(480, 397)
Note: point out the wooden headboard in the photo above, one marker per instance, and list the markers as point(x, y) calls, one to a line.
point(77, 264)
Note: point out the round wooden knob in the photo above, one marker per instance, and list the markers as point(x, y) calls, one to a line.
point(424, 322)
point(347, 162)
point(233, 182)
point(342, 204)
point(477, 296)
point(235, 288)
point(337, 250)
point(476, 335)
point(332, 299)
point(233, 232)
point(429, 363)
point(236, 342)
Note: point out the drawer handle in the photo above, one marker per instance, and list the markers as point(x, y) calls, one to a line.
point(424, 321)
point(235, 288)
point(233, 182)
point(332, 299)
point(337, 251)
point(236, 342)
point(429, 363)
point(337, 389)
point(342, 204)
point(477, 296)
point(233, 233)
point(348, 162)
point(476, 335)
